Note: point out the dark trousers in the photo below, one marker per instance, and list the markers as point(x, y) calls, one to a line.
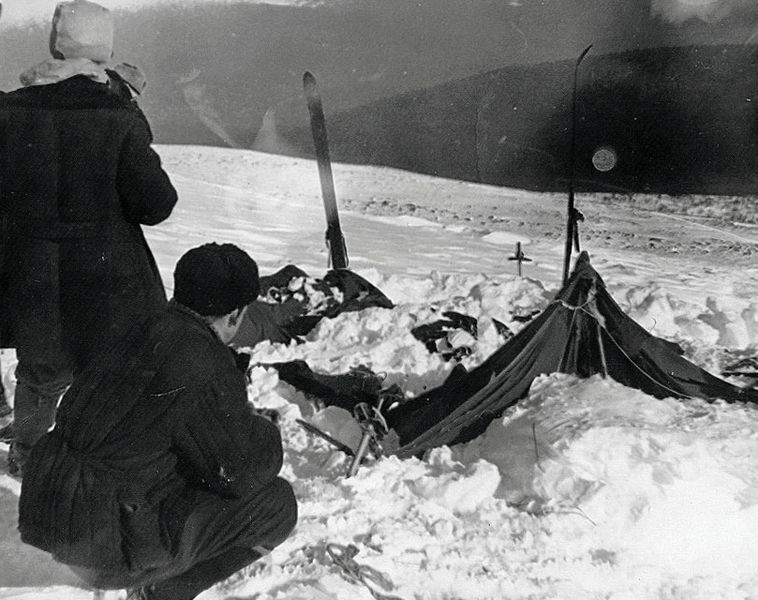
point(39, 386)
point(220, 537)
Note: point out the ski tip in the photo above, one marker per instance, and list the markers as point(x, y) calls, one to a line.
point(308, 77)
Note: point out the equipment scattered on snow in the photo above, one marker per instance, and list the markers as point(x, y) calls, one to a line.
point(293, 303)
point(745, 367)
point(344, 391)
point(582, 332)
point(376, 581)
point(440, 336)
point(311, 428)
point(374, 428)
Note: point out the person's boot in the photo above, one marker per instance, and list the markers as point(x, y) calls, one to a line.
point(17, 456)
point(143, 592)
point(202, 576)
point(7, 433)
point(5, 408)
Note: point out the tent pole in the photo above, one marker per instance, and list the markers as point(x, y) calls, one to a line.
point(570, 217)
point(602, 349)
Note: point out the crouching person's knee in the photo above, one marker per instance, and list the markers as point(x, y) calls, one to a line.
point(107, 580)
point(273, 516)
point(284, 498)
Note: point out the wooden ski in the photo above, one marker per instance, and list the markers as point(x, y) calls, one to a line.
point(334, 238)
point(572, 233)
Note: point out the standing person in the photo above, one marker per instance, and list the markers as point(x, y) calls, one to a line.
point(5, 408)
point(159, 474)
point(79, 178)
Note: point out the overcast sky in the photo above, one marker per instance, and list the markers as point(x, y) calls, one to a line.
point(18, 11)
point(677, 11)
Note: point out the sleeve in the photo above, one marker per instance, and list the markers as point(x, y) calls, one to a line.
point(147, 195)
point(262, 322)
point(222, 445)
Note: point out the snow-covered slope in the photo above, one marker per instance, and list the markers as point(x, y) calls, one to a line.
point(586, 489)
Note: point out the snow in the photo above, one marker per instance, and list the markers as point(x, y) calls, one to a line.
point(504, 238)
point(585, 489)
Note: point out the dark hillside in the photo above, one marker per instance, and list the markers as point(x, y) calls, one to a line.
point(681, 120)
point(475, 89)
point(222, 67)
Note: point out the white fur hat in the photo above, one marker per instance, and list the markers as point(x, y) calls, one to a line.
point(82, 29)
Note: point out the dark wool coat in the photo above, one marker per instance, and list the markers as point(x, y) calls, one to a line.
point(77, 178)
point(163, 414)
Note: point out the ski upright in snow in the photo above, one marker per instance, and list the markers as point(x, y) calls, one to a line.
point(334, 238)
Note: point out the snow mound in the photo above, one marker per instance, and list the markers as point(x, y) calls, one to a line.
point(665, 482)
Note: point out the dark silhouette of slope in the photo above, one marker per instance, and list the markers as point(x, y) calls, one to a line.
point(230, 74)
point(251, 57)
point(681, 120)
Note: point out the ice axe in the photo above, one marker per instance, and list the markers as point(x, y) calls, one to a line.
point(374, 427)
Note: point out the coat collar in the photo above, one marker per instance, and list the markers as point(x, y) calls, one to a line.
point(54, 70)
point(196, 317)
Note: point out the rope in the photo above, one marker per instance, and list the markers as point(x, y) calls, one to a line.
point(343, 557)
point(594, 314)
point(589, 307)
point(674, 392)
point(571, 328)
point(598, 318)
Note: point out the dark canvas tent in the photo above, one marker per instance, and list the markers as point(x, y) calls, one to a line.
point(285, 314)
point(582, 332)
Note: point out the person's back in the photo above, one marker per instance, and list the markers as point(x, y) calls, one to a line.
point(79, 179)
point(166, 386)
point(73, 200)
point(154, 442)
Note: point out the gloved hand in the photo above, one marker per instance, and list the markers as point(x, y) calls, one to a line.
point(241, 360)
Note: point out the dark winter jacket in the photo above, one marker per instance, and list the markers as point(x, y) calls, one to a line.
point(77, 178)
point(160, 416)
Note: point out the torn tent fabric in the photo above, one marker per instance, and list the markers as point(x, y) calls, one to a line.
point(344, 391)
point(745, 367)
point(449, 336)
point(292, 303)
point(360, 384)
point(582, 332)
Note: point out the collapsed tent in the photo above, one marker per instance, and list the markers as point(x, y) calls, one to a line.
point(344, 391)
point(582, 332)
point(443, 335)
point(361, 385)
point(293, 303)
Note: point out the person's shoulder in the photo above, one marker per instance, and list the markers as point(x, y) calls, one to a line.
point(16, 96)
point(185, 340)
point(77, 92)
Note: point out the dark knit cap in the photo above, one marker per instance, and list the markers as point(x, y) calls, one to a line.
point(215, 279)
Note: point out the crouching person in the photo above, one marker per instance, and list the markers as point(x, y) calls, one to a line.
point(158, 477)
